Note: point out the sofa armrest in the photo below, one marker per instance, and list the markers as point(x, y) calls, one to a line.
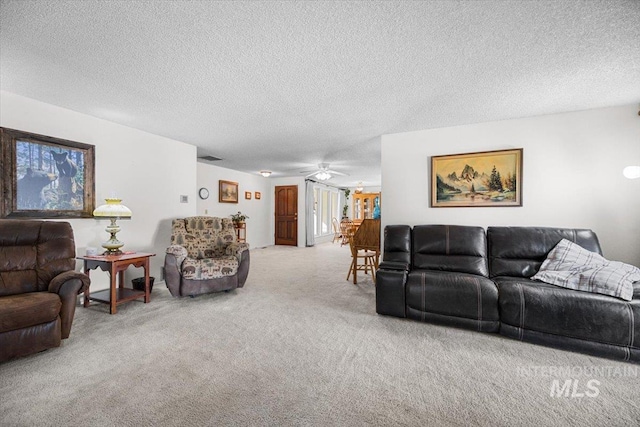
point(172, 276)
point(68, 285)
point(394, 265)
point(390, 292)
point(236, 249)
point(59, 285)
point(180, 252)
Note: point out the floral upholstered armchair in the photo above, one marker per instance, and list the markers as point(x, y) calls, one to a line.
point(204, 257)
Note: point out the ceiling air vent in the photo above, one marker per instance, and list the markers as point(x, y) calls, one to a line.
point(209, 158)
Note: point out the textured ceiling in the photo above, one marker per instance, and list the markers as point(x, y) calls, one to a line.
point(286, 85)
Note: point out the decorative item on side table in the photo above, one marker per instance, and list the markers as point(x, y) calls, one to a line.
point(112, 210)
point(240, 225)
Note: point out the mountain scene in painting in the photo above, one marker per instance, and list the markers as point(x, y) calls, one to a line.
point(484, 183)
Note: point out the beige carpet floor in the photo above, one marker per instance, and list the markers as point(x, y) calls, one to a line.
point(299, 345)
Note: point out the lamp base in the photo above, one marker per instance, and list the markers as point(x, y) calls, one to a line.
point(112, 245)
point(114, 252)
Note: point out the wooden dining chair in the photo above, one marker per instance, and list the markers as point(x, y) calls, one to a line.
point(365, 249)
point(336, 229)
point(346, 230)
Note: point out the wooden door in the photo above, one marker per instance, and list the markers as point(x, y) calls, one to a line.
point(287, 215)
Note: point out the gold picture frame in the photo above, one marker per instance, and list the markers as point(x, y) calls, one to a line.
point(247, 195)
point(227, 191)
point(482, 179)
point(258, 195)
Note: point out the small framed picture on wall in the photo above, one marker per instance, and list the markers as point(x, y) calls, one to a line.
point(228, 192)
point(258, 195)
point(247, 195)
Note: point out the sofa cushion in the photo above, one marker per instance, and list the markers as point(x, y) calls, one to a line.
point(209, 268)
point(570, 266)
point(520, 251)
point(397, 244)
point(25, 310)
point(450, 248)
point(32, 253)
point(203, 236)
point(453, 294)
point(550, 309)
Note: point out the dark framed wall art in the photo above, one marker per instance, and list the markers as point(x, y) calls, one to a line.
point(489, 178)
point(45, 177)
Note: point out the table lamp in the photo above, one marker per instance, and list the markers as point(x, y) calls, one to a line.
point(112, 210)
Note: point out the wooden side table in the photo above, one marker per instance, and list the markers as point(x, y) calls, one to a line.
point(115, 265)
point(241, 231)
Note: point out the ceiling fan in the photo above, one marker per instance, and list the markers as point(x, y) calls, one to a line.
point(323, 172)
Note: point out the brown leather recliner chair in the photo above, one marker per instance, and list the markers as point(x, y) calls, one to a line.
point(38, 285)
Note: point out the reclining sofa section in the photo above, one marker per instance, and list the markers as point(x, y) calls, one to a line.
point(459, 276)
point(438, 273)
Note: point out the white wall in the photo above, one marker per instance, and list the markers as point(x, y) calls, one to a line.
point(572, 175)
point(259, 211)
point(147, 171)
point(261, 222)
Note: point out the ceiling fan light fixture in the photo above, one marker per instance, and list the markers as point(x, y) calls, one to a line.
point(323, 175)
point(266, 174)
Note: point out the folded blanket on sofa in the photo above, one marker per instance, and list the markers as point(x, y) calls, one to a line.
point(571, 266)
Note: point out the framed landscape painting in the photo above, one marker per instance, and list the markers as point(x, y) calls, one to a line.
point(227, 192)
point(45, 177)
point(490, 178)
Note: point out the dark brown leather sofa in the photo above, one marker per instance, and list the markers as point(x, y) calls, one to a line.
point(38, 285)
point(456, 275)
